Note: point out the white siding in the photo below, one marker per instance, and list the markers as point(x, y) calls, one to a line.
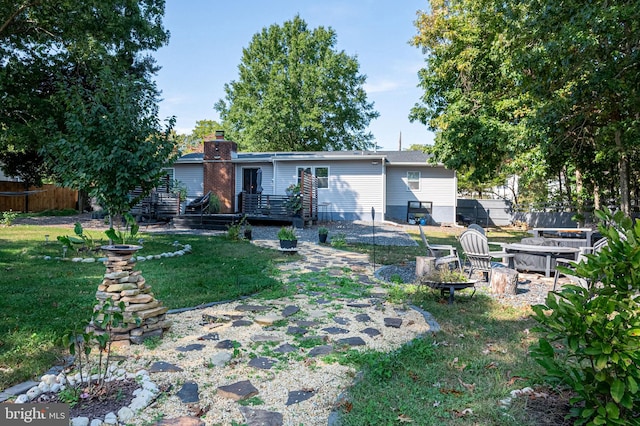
point(267, 177)
point(192, 175)
point(354, 186)
point(437, 185)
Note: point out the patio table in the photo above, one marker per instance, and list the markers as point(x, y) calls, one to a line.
point(548, 251)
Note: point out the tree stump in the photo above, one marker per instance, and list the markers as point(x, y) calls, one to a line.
point(504, 281)
point(425, 265)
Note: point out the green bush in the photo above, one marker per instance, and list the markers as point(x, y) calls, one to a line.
point(591, 336)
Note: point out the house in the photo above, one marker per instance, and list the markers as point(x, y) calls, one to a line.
point(350, 183)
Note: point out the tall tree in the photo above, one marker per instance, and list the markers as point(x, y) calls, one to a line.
point(295, 92)
point(468, 99)
point(580, 62)
point(112, 141)
point(67, 64)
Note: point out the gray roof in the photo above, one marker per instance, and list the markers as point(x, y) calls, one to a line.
point(390, 157)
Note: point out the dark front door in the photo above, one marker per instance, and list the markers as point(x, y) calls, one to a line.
point(250, 181)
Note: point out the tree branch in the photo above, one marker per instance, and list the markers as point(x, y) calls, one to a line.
point(15, 14)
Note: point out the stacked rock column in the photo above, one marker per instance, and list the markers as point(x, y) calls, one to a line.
point(122, 284)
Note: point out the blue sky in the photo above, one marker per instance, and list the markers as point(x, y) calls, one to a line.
point(207, 38)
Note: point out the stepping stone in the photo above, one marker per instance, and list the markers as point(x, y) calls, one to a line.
point(265, 338)
point(358, 305)
point(227, 344)
point(341, 320)
point(267, 319)
point(306, 323)
point(238, 391)
point(210, 336)
point(191, 347)
point(321, 350)
point(298, 396)
point(189, 392)
point(252, 308)
point(181, 421)
point(241, 323)
point(364, 279)
point(371, 332)
point(286, 348)
point(290, 310)
point(352, 341)
point(262, 363)
point(393, 322)
point(322, 301)
point(335, 330)
point(214, 319)
point(297, 330)
point(363, 318)
point(164, 367)
point(253, 417)
point(221, 359)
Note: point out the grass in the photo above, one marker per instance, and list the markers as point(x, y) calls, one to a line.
point(44, 299)
point(454, 377)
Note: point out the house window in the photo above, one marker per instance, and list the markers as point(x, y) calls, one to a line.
point(302, 170)
point(413, 181)
point(322, 173)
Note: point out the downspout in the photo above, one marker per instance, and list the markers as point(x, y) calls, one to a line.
point(384, 188)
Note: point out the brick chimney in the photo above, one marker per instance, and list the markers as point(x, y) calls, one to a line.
point(219, 171)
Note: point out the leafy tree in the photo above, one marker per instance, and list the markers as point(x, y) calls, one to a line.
point(74, 63)
point(124, 113)
point(295, 92)
point(468, 98)
point(553, 82)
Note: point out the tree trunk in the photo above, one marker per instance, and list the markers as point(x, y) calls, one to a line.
point(623, 170)
point(504, 281)
point(596, 196)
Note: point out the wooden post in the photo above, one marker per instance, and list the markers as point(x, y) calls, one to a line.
point(425, 265)
point(504, 281)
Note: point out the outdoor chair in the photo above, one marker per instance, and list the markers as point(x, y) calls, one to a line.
point(597, 247)
point(199, 205)
point(439, 251)
point(476, 250)
point(478, 228)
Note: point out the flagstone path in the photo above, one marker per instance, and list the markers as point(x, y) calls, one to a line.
point(273, 362)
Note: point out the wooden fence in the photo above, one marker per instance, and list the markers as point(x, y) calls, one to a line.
point(48, 197)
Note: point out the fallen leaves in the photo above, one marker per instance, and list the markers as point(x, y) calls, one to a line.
point(402, 418)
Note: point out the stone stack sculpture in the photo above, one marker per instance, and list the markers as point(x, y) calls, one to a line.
point(122, 284)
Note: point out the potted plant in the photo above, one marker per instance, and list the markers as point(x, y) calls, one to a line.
point(288, 238)
point(322, 234)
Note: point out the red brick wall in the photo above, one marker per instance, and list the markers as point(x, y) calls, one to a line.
point(219, 176)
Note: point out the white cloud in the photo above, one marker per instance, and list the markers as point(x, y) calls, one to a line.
point(381, 86)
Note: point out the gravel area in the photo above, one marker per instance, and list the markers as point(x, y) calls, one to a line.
point(532, 288)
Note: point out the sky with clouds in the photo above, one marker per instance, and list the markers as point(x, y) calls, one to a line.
point(207, 38)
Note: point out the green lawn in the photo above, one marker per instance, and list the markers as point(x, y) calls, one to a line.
point(43, 299)
point(454, 377)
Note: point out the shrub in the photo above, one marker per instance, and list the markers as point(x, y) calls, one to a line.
point(591, 336)
point(7, 218)
point(323, 231)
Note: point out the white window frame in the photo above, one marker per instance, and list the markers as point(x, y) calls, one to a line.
point(315, 173)
point(411, 179)
point(312, 170)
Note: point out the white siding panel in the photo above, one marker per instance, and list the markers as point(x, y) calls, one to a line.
point(267, 176)
point(192, 175)
point(354, 186)
point(437, 185)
